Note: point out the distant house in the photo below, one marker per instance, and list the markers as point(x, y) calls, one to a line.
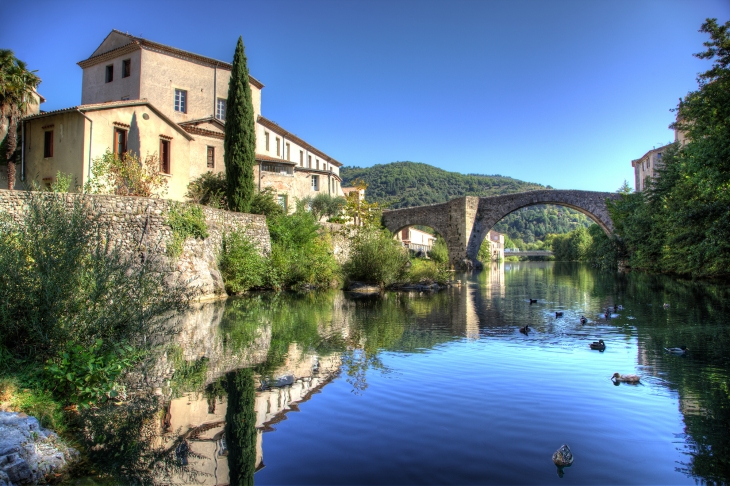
point(496, 245)
point(415, 239)
point(151, 98)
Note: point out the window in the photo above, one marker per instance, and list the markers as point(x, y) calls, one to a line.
point(126, 68)
point(278, 146)
point(220, 109)
point(317, 164)
point(266, 140)
point(315, 183)
point(165, 156)
point(281, 199)
point(120, 141)
point(180, 100)
point(277, 168)
point(211, 157)
point(288, 152)
point(48, 144)
point(301, 158)
point(309, 161)
point(110, 73)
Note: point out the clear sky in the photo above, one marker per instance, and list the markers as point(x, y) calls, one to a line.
point(558, 92)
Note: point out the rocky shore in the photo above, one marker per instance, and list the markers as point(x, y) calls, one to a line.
point(30, 454)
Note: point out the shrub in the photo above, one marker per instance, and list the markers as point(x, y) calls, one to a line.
point(427, 271)
point(439, 252)
point(241, 263)
point(186, 221)
point(375, 257)
point(126, 176)
point(209, 190)
point(264, 202)
point(62, 284)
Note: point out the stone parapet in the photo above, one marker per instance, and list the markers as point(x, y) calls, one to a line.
point(139, 225)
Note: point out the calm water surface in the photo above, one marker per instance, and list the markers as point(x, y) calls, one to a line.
point(444, 389)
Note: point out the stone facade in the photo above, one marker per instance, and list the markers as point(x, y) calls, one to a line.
point(464, 222)
point(139, 225)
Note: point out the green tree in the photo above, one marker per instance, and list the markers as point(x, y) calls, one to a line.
point(17, 93)
point(240, 136)
point(681, 223)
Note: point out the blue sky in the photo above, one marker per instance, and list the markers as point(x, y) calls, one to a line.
point(557, 92)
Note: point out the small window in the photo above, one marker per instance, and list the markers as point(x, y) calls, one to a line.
point(110, 73)
point(266, 140)
point(220, 109)
point(211, 157)
point(165, 156)
point(309, 161)
point(181, 100)
point(120, 141)
point(301, 158)
point(278, 146)
point(288, 152)
point(126, 68)
point(315, 183)
point(281, 199)
point(317, 164)
point(48, 144)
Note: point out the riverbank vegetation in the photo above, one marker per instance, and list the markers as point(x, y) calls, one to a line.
point(75, 313)
point(681, 223)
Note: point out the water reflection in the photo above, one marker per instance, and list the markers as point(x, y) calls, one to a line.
point(238, 370)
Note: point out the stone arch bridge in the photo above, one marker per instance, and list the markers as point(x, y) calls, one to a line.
point(465, 222)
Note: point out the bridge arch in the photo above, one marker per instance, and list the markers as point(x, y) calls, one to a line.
point(465, 222)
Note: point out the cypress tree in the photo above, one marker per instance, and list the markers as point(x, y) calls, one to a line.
point(240, 136)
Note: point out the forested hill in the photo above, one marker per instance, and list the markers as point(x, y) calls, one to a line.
point(408, 184)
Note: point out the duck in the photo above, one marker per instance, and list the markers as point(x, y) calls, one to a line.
point(666, 306)
point(559, 314)
point(679, 350)
point(617, 377)
point(525, 330)
point(619, 307)
point(607, 314)
point(599, 345)
point(583, 319)
point(533, 301)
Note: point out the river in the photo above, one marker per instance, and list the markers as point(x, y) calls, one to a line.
point(442, 388)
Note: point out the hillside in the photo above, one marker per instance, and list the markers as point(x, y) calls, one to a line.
point(407, 184)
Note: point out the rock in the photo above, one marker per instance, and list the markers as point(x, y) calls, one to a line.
point(29, 452)
point(363, 288)
point(563, 456)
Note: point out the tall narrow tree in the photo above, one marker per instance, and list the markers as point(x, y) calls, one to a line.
point(240, 136)
point(17, 93)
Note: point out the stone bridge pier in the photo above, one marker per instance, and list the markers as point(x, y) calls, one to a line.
point(464, 222)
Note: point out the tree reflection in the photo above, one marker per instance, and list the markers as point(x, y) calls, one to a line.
point(241, 427)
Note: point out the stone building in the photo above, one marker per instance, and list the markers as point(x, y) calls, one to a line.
point(645, 167)
point(155, 99)
point(496, 245)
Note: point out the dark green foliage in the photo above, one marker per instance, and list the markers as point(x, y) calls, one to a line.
point(62, 286)
point(299, 254)
point(241, 427)
point(590, 245)
point(209, 190)
point(264, 202)
point(406, 184)
point(324, 205)
point(533, 224)
point(240, 136)
point(241, 263)
point(86, 375)
point(681, 224)
point(375, 257)
point(186, 221)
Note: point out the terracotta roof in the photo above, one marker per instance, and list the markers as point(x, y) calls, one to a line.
point(268, 158)
point(139, 42)
point(110, 105)
point(277, 129)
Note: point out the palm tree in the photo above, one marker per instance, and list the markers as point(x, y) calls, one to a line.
point(17, 93)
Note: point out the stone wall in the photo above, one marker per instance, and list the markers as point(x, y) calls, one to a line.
point(138, 225)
